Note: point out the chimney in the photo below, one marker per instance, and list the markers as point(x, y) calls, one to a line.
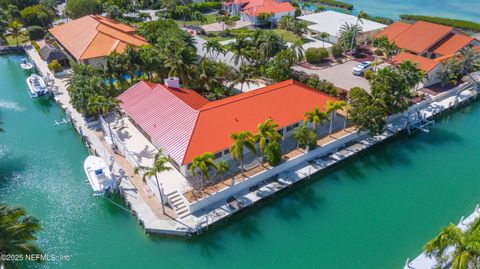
point(172, 82)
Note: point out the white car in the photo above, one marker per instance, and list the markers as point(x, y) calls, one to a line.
point(361, 68)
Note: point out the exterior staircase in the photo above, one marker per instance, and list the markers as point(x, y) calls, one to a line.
point(178, 203)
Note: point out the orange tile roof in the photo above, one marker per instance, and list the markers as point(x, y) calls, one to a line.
point(206, 126)
point(394, 29)
point(418, 37)
point(95, 36)
point(256, 7)
point(423, 63)
point(451, 44)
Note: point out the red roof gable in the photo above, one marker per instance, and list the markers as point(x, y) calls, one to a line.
point(451, 44)
point(418, 37)
point(423, 63)
point(256, 7)
point(187, 132)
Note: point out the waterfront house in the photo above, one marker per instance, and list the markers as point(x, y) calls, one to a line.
point(91, 38)
point(249, 10)
point(427, 44)
point(330, 22)
point(185, 124)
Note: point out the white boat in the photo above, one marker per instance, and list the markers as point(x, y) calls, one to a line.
point(26, 65)
point(99, 176)
point(36, 86)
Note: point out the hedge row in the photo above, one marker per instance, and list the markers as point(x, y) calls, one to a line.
point(460, 24)
point(379, 19)
point(205, 6)
point(334, 3)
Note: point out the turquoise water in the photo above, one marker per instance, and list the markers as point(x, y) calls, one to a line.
point(466, 10)
point(373, 211)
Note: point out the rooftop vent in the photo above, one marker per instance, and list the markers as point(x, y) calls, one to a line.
point(172, 82)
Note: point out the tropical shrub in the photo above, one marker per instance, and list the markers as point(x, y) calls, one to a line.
point(55, 66)
point(36, 15)
point(315, 82)
point(337, 50)
point(35, 32)
point(205, 6)
point(367, 74)
point(305, 137)
point(79, 8)
point(316, 55)
point(273, 153)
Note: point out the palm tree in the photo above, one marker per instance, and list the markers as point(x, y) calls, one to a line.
point(99, 104)
point(315, 117)
point(241, 140)
point(245, 74)
point(197, 16)
point(361, 15)
point(410, 72)
point(267, 132)
point(214, 48)
point(15, 28)
point(456, 249)
point(299, 27)
point(470, 62)
point(449, 72)
point(323, 36)
point(222, 168)
point(238, 48)
point(183, 11)
point(331, 108)
point(298, 50)
point(349, 32)
point(159, 165)
point(204, 163)
point(304, 136)
point(17, 234)
point(346, 108)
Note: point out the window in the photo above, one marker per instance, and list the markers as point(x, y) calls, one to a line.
point(291, 127)
point(280, 131)
point(227, 151)
point(218, 155)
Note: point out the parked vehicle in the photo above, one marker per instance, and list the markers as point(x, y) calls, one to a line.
point(361, 68)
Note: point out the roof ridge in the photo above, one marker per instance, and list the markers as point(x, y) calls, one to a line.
point(190, 138)
point(89, 43)
point(246, 96)
point(171, 93)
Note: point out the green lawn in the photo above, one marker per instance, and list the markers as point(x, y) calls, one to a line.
point(22, 39)
point(287, 35)
point(210, 19)
point(233, 33)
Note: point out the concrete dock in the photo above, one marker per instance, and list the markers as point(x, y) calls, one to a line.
point(142, 201)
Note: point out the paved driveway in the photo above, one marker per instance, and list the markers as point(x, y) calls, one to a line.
point(340, 75)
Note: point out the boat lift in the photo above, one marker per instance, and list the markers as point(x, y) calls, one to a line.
point(417, 122)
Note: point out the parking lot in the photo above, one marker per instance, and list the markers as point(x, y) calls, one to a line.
point(340, 75)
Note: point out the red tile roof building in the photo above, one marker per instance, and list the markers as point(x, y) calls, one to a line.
point(92, 37)
point(185, 124)
point(427, 44)
point(249, 10)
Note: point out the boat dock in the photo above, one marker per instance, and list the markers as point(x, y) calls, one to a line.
point(144, 205)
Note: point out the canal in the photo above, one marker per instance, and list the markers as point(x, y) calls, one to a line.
point(372, 211)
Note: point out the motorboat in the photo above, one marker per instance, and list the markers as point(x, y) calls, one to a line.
point(26, 65)
point(99, 175)
point(36, 86)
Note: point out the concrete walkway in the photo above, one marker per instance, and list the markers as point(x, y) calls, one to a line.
point(145, 206)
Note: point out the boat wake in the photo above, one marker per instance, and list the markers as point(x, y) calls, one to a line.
point(11, 106)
